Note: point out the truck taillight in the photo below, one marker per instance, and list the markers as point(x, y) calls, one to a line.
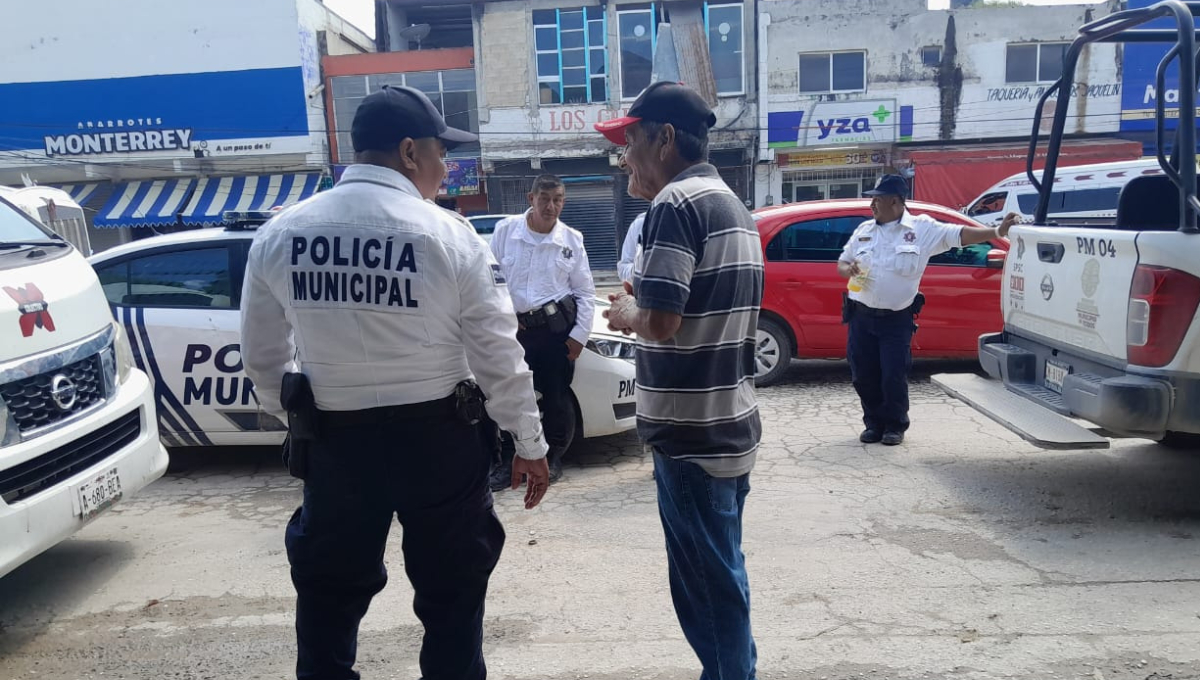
point(1162, 304)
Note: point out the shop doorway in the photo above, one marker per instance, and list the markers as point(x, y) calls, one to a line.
point(819, 191)
point(831, 184)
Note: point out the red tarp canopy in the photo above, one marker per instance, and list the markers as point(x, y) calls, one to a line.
point(954, 176)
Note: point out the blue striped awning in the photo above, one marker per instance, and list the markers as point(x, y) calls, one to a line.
point(145, 204)
point(216, 195)
point(81, 193)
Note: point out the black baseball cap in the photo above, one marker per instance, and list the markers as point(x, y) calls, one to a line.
point(663, 102)
point(387, 117)
point(889, 185)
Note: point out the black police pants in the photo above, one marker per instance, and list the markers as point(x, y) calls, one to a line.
point(546, 355)
point(432, 475)
point(880, 353)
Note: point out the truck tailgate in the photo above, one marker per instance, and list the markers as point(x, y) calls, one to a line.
point(1070, 286)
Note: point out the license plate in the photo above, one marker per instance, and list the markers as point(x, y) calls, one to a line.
point(98, 493)
point(1056, 372)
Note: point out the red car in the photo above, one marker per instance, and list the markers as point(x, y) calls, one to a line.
point(802, 303)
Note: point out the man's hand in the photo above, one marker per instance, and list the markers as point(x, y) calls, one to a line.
point(1009, 220)
point(617, 319)
point(536, 474)
point(574, 347)
point(848, 269)
point(622, 313)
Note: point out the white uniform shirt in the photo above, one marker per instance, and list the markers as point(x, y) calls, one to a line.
point(631, 248)
point(544, 269)
point(384, 299)
point(897, 254)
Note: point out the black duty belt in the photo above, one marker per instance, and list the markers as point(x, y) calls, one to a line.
point(436, 409)
point(544, 315)
point(860, 308)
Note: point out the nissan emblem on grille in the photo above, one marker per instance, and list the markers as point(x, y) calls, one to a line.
point(63, 392)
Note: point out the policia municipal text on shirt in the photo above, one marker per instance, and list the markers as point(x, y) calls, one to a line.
point(369, 311)
point(312, 280)
point(884, 260)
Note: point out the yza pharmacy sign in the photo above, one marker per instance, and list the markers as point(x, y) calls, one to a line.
point(855, 123)
point(829, 124)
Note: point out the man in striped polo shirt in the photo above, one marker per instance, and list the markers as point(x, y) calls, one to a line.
point(693, 304)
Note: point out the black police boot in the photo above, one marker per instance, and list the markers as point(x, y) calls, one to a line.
point(892, 438)
point(554, 459)
point(501, 477)
point(870, 435)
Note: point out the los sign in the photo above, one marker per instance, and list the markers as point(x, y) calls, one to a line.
point(576, 119)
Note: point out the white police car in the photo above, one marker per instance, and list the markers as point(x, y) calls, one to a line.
point(177, 297)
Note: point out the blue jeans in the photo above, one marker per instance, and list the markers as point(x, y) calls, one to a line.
point(880, 352)
point(702, 519)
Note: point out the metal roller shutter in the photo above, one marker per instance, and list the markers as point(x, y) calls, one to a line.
point(509, 195)
point(591, 208)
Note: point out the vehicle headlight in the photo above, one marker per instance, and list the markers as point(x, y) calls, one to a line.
point(122, 353)
point(613, 348)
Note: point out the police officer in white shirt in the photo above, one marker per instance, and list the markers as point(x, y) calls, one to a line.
point(630, 249)
point(552, 290)
point(884, 260)
point(387, 303)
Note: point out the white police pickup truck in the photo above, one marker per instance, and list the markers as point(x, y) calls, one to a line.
point(1100, 323)
point(177, 296)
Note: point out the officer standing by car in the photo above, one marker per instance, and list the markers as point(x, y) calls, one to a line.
point(552, 290)
point(884, 261)
point(387, 305)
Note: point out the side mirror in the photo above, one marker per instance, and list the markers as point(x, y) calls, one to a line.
point(995, 258)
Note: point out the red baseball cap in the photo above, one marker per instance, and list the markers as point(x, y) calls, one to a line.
point(663, 102)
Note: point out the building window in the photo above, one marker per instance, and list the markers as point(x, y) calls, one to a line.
point(638, 33)
point(637, 30)
point(572, 63)
point(826, 72)
point(724, 25)
point(1035, 63)
point(931, 56)
point(451, 91)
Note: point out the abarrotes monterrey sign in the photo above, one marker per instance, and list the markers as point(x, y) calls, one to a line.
point(108, 136)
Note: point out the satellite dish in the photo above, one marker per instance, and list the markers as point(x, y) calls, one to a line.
point(415, 33)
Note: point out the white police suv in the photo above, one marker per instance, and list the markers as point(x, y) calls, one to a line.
point(177, 297)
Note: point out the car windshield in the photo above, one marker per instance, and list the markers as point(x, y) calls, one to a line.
point(17, 226)
point(988, 204)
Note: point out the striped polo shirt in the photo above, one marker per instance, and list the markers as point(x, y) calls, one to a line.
point(701, 259)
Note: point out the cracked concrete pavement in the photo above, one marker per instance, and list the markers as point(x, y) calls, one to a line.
point(964, 553)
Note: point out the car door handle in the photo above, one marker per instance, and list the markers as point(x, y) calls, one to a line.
point(1051, 252)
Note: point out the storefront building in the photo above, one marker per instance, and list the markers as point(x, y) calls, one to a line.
point(1139, 94)
point(835, 149)
point(549, 70)
point(446, 76)
point(946, 98)
point(211, 109)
